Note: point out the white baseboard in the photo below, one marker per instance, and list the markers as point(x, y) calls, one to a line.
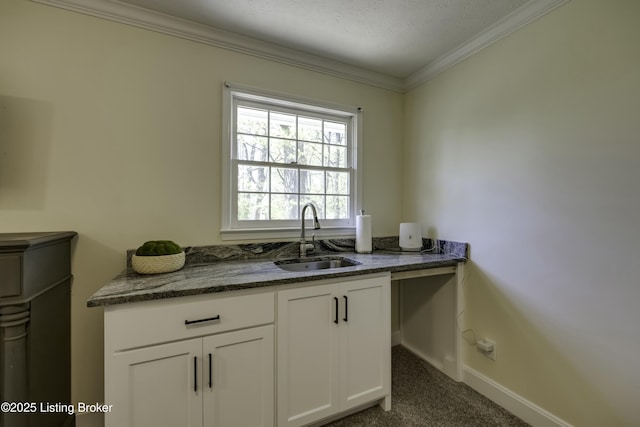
point(90, 420)
point(395, 338)
point(512, 402)
point(433, 362)
point(448, 366)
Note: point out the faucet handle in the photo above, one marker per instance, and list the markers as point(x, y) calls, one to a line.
point(311, 246)
point(307, 246)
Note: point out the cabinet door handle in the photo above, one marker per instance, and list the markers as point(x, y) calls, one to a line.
point(195, 374)
point(210, 370)
point(336, 318)
point(346, 308)
point(208, 319)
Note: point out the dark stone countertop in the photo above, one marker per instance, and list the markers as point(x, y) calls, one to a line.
point(212, 269)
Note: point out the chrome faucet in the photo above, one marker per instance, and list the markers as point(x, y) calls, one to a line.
point(304, 245)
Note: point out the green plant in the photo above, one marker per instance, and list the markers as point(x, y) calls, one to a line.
point(158, 247)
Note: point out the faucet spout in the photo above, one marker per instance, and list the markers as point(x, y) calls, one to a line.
point(316, 223)
point(304, 246)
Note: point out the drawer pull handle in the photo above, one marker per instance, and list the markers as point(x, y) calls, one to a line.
point(208, 319)
point(335, 320)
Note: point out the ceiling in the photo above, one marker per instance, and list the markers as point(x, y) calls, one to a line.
point(393, 43)
point(394, 37)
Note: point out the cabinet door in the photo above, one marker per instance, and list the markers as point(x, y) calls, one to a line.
point(308, 355)
point(156, 386)
point(239, 378)
point(365, 341)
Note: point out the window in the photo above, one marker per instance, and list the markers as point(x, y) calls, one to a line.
point(281, 153)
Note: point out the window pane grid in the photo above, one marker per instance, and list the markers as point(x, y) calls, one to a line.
point(286, 206)
point(287, 130)
point(284, 159)
point(276, 202)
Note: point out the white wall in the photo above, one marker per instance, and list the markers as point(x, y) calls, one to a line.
point(115, 132)
point(530, 151)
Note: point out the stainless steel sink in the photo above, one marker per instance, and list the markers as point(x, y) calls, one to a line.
point(316, 263)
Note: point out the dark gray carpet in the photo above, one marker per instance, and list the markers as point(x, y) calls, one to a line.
point(421, 395)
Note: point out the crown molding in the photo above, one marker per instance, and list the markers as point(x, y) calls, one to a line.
point(520, 17)
point(124, 13)
point(143, 18)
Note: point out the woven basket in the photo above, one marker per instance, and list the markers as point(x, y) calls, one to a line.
point(157, 264)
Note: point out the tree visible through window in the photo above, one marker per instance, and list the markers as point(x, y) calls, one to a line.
point(286, 154)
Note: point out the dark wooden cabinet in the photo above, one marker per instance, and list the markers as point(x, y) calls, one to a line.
point(35, 326)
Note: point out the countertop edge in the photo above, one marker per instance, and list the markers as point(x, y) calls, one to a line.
point(98, 301)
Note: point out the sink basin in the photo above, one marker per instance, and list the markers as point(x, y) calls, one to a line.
point(316, 263)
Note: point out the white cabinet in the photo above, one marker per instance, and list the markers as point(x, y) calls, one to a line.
point(239, 382)
point(220, 377)
point(334, 348)
point(307, 354)
point(156, 386)
point(211, 360)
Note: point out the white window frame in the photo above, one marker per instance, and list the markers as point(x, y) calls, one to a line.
point(231, 228)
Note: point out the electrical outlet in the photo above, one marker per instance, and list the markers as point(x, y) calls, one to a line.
point(487, 347)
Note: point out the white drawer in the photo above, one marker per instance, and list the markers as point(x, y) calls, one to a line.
point(152, 322)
